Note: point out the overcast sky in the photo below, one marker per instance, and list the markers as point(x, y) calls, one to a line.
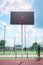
point(14, 31)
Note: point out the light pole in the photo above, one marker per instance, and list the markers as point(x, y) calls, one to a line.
point(4, 31)
point(14, 45)
point(15, 49)
point(4, 37)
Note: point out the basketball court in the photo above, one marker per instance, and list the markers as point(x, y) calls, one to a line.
point(22, 18)
point(21, 62)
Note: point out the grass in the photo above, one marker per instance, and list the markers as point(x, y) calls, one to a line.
point(19, 52)
point(12, 58)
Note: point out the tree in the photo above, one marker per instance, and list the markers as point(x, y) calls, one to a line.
point(2, 42)
point(24, 48)
point(2, 45)
point(34, 47)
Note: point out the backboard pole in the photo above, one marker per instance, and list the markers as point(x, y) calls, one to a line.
point(22, 21)
point(22, 39)
point(25, 37)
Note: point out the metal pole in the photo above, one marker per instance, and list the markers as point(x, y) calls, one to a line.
point(4, 37)
point(35, 39)
point(21, 22)
point(4, 31)
point(25, 36)
point(22, 39)
point(15, 49)
point(25, 41)
point(14, 45)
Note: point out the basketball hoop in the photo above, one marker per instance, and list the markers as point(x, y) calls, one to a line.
point(21, 20)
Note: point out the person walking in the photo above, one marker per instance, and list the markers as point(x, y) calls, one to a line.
point(38, 52)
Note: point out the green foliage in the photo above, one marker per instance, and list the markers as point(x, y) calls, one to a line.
point(25, 48)
point(41, 48)
point(2, 45)
point(34, 47)
point(2, 42)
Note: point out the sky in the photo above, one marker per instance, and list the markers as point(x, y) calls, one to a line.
point(13, 32)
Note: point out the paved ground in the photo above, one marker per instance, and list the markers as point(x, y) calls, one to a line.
point(21, 62)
